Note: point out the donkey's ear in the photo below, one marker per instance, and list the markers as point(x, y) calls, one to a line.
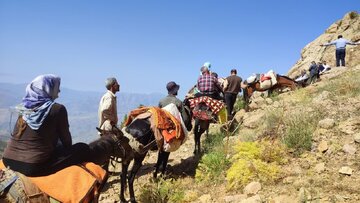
point(98, 129)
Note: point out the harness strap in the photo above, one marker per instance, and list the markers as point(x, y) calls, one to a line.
point(148, 146)
point(5, 184)
point(13, 190)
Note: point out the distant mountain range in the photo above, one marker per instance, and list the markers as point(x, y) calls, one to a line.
point(82, 107)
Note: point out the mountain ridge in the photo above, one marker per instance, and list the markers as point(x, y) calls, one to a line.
point(82, 107)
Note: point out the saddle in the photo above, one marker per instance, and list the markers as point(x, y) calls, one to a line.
point(62, 186)
point(166, 125)
point(206, 108)
point(266, 80)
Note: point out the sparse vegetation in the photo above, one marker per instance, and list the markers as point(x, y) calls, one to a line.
point(345, 86)
point(255, 161)
point(353, 15)
point(299, 128)
point(162, 191)
point(214, 162)
point(239, 104)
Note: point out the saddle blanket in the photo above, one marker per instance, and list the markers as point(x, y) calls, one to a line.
point(215, 105)
point(71, 184)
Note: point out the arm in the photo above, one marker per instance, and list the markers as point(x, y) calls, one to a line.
point(217, 85)
point(63, 127)
point(330, 43)
point(351, 43)
point(226, 83)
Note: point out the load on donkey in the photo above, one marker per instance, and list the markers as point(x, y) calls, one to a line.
point(205, 110)
point(266, 82)
point(146, 128)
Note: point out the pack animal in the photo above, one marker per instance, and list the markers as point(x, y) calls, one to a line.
point(141, 130)
point(24, 190)
point(282, 82)
point(114, 144)
point(202, 121)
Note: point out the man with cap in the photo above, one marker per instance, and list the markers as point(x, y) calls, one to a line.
point(208, 85)
point(108, 108)
point(172, 89)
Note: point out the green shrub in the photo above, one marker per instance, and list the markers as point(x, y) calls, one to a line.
point(213, 164)
point(273, 119)
point(213, 142)
point(162, 191)
point(298, 131)
point(239, 104)
point(353, 15)
point(211, 167)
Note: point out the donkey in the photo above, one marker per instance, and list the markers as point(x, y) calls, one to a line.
point(282, 82)
point(201, 124)
point(114, 143)
point(110, 144)
point(140, 130)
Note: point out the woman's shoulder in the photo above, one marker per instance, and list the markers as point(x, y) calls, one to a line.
point(58, 107)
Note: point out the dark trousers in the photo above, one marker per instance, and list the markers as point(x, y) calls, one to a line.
point(340, 57)
point(230, 99)
point(62, 158)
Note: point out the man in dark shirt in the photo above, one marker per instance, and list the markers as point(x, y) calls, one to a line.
point(208, 85)
point(232, 89)
point(172, 89)
point(314, 73)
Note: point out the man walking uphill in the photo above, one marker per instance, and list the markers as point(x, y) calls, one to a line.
point(232, 89)
point(340, 52)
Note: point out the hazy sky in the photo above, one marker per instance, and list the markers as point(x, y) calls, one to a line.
point(145, 44)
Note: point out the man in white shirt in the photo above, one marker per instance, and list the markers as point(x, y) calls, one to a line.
point(108, 108)
point(340, 52)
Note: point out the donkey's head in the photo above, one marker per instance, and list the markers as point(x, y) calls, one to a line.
point(119, 142)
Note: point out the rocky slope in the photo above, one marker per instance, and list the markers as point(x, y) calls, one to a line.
point(329, 171)
point(349, 27)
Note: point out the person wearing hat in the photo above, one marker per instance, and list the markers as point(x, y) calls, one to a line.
point(208, 85)
point(172, 89)
point(232, 88)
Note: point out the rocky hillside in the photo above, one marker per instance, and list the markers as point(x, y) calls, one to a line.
point(349, 27)
point(299, 146)
point(318, 126)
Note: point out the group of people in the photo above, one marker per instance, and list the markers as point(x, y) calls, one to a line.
point(315, 70)
point(208, 84)
point(41, 142)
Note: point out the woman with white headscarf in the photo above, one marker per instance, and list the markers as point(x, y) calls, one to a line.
point(41, 142)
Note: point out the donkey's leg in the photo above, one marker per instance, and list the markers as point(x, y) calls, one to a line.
point(164, 160)
point(123, 177)
point(157, 165)
point(196, 135)
point(134, 170)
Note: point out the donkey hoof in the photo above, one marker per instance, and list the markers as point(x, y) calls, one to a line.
point(123, 200)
